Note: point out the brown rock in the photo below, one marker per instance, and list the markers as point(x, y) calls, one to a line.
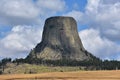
point(60, 40)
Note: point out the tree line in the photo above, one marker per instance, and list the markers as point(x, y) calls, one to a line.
point(96, 63)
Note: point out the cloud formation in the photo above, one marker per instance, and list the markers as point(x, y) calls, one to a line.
point(19, 41)
point(15, 12)
point(102, 17)
point(101, 47)
point(26, 18)
point(28, 12)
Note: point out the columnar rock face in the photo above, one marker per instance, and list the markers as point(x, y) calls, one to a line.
point(60, 40)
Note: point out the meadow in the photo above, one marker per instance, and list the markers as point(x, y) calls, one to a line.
point(32, 68)
point(76, 75)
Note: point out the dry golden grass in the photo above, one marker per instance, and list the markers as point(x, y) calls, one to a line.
point(26, 68)
point(79, 75)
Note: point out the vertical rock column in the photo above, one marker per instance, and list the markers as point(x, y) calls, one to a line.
point(60, 40)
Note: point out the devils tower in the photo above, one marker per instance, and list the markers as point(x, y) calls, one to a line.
point(60, 40)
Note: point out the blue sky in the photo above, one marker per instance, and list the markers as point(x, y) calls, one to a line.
point(22, 21)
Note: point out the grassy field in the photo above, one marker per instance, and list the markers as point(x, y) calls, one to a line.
point(77, 75)
point(28, 68)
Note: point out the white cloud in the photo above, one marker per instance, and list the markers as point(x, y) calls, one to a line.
point(19, 41)
point(53, 5)
point(102, 37)
point(28, 12)
point(50, 7)
point(18, 8)
point(15, 12)
point(99, 46)
point(104, 17)
point(92, 6)
point(109, 1)
point(22, 16)
point(76, 14)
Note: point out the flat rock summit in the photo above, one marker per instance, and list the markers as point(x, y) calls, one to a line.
point(60, 40)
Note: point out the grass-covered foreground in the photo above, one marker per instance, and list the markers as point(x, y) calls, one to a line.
point(77, 75)
point(32, 68)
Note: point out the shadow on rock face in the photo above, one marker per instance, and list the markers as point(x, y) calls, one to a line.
point(60, 40)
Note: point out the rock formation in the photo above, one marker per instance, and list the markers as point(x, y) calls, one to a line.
point(60, 40)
